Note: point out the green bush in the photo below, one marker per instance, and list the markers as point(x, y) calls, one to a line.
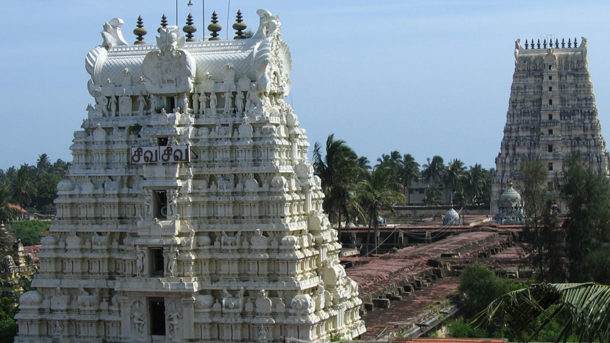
point(478, 287)
point(29, 231)
point(459, 329)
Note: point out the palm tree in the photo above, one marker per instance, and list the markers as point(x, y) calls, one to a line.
point(392, 161)
point(377, 194)
point(338, 170)
point(22, 187)
point(409, 170)
point(434, 170)
point(582, 308)
point(454, 175)
point(476, 182)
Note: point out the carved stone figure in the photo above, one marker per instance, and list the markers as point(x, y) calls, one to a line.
point(202, 102)
point(141, 105)
point(112, 34)
point(213, 101)
point(139, 261)
point(113, 106)
point(125, 105)
point(233, 302)
point(173, 323)
point(239, 102)
point(195, 100)
point(137, 319)
point(171, 69)
point(171, 261)
point(228, 96)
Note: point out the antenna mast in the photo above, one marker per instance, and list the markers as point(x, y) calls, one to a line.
point(228, 14)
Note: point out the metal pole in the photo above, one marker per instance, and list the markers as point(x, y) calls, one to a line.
point(203, 18)
point(176, 12)
point(228, 13)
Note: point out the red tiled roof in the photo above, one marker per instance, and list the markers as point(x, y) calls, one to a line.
point(17, 208)
point(449, 340)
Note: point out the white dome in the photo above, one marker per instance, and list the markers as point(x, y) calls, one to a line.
point(510, 197)
point(452, 218)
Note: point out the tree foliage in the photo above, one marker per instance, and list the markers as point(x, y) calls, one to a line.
point(31, 187)
point(588, 224)
point(583, 310)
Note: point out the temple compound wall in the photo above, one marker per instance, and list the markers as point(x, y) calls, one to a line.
point(190, 212)
point(551, 114)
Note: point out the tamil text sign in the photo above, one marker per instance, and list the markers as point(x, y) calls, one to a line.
point(163, 154)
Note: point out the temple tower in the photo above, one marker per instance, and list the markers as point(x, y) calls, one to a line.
point(191, 212)
point(551, 113)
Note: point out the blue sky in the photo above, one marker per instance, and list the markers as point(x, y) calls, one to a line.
point(420, 77)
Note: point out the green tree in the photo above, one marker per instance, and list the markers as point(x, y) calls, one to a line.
point(432, 195)
point(434, 170)
point(479, 286)
point(377, 194)
point(22, 186)
point(588, 223)
point(393, 161)
point(29, 231)
point(409, 170)
point(454, 176)
point(550, 258)
point(582, 310)
point(338, 170)
point(477, 185)
point(533, 175)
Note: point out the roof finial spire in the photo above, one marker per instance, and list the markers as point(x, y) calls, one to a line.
point(189, 28)
point(214, 27)
point(139, 31)
point(239, 26)
point(163, 22)
point(575, 43)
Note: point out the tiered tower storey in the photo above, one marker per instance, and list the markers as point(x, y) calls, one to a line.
point(551, 114)
point(190, 212)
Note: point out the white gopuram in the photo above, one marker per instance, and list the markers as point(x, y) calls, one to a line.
point(191, 212)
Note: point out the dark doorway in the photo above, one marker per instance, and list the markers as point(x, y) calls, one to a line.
point(157, 263)
point(156, 307)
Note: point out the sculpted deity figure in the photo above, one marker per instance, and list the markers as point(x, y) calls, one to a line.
point(112, 33)
point(213, 101)
point(195, 100)
point(239, 102)
point(202, 102)
point(233, 302)
point(113, 106)
point(125, 105)
point(137, 319)
point(172, 203)
point(173, 322)
point(228, 96)
point(169, 69)
point(171, 261)
point(101, 102)
point(154, 103)
point(139, 261)
point(141, 105)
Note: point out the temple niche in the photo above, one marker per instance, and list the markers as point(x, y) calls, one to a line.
point(191, 212)
point(551, 114)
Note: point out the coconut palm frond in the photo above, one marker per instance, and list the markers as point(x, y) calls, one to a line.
point(587, 306)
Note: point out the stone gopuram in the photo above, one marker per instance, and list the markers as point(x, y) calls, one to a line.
point(191, 212)
point(551, 113)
